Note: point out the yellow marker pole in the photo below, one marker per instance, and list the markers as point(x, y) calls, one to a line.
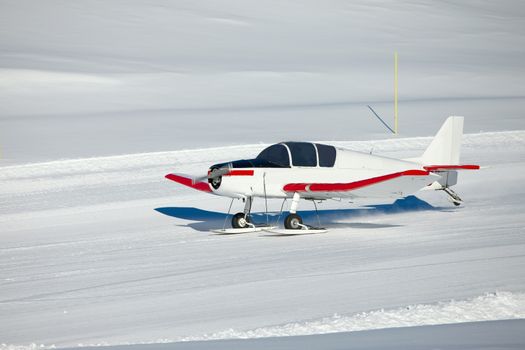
point(395, 92)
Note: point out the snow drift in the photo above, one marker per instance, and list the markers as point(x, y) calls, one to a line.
point(488, 307)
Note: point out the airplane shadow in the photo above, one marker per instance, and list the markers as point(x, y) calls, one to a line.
point(206, 220)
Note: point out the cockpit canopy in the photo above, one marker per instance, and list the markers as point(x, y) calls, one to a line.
point(303, 154)
point(276, 155)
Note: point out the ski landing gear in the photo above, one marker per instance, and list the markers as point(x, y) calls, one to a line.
point(293, 223)
point(453, 196)
point(242, 222)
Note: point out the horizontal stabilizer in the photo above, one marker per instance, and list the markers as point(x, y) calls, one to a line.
point(451, 167)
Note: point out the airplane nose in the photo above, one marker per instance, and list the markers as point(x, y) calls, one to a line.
point(214, 178)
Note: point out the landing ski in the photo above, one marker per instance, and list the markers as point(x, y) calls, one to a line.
point(234, 231)
point(288, 232)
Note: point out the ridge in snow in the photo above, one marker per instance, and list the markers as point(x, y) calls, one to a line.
point(488, 307)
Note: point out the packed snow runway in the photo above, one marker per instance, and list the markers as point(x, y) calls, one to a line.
point(107, 251)
point(100, 99)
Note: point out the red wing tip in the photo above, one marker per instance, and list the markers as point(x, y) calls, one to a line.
point(188, 181)
point(179, 178)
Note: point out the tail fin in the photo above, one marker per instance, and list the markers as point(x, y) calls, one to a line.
point(442, 157)
point(445, 147)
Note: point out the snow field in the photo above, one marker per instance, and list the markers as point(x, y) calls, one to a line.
point(99, 100)
point(87, 240)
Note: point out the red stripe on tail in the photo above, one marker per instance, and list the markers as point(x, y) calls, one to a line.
point(451, 167)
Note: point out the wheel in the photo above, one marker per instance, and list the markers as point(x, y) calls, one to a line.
point(293, 222)
point(239, 220)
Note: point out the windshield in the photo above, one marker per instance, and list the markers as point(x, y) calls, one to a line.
point(276, 155)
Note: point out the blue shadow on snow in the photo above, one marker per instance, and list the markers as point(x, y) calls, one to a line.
point(207, 220)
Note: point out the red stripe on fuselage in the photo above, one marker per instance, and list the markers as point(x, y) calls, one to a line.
point(240, 173)
point(341, 187)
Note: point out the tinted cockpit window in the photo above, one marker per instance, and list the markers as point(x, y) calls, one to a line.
point(326, 155)
point(275, 154)
point(303, 153)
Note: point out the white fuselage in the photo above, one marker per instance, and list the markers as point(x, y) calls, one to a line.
point(350, 166)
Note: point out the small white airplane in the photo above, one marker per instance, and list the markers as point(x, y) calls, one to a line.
point(313, 171)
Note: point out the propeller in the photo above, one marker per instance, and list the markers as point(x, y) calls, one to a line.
point(214, 173)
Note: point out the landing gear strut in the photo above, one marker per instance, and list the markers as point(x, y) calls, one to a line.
point(240, 220)
point(294, 221)
point(243, 220)
point(454, 198)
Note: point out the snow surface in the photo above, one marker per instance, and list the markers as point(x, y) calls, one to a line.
point(106, 251)
point(497, 306)
point(100, 99)
point(506, 334)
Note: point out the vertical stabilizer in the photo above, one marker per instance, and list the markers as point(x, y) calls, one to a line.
point(445, 147)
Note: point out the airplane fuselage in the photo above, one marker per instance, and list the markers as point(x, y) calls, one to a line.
point(321, 182)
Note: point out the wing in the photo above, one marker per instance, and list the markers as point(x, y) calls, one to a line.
point(189, 181)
